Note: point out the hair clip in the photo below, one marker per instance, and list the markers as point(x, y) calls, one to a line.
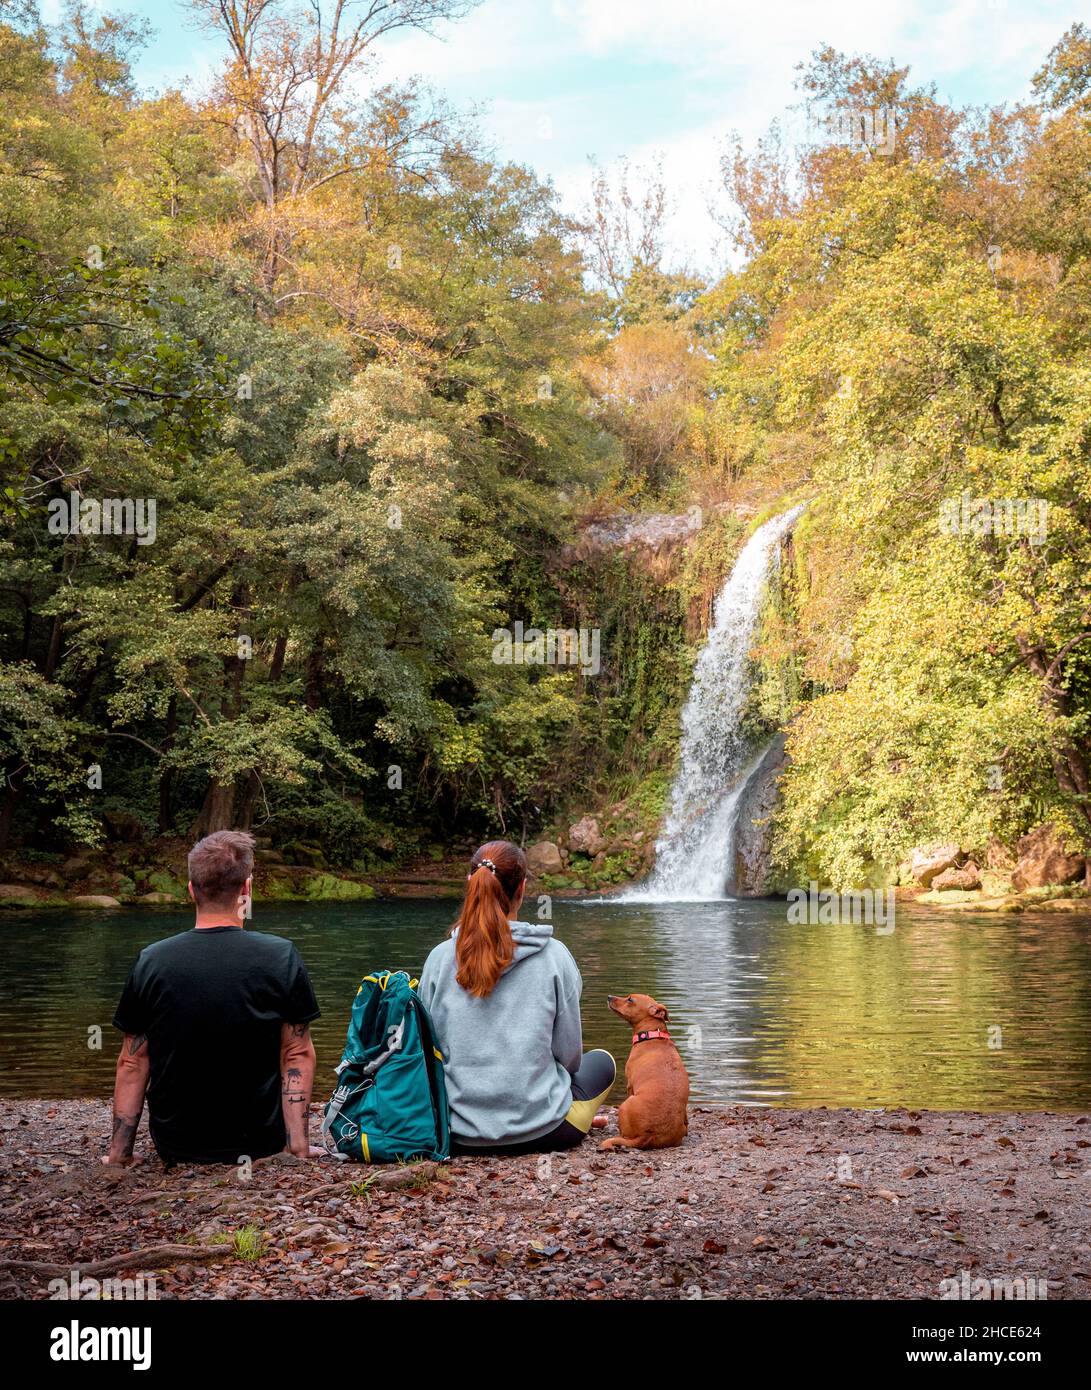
point(483, 864)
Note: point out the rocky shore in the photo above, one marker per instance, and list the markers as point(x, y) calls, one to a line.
point(755, 1204)
point(595, 855)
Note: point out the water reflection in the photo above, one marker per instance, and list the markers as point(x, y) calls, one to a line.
point(765, 1013)
point(946, 1012)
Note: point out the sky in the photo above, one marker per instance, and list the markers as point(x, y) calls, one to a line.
point(556, 84)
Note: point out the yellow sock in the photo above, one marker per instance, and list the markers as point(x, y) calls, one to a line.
point(582, 1112)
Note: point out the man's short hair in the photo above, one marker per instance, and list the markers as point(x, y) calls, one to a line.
point(219, 865)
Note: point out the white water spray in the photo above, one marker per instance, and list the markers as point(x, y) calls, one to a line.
point(694, 854)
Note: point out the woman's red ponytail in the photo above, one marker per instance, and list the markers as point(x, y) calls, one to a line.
point(483, 946)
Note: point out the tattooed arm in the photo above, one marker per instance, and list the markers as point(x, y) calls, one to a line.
point(296, 1079)
point(130, 1083)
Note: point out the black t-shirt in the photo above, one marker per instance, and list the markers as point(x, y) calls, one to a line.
point(211, 1003)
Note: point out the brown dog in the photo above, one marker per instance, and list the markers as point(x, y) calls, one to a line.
point(654, 1116)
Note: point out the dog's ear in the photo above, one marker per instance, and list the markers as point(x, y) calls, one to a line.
point(658, 1011)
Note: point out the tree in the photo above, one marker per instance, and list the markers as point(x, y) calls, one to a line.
point(284, 88)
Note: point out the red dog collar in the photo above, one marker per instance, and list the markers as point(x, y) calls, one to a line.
point(651, 1033)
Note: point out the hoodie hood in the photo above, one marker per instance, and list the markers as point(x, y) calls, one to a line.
point(529, 938)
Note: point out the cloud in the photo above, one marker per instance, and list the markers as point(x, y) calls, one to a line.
point(611, 77)
point(557, 81)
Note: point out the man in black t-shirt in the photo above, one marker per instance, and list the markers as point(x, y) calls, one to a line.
point(216, 1023)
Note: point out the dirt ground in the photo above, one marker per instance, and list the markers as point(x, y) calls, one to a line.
point(755, 1204)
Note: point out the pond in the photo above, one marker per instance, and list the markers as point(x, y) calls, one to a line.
point(949, 1011)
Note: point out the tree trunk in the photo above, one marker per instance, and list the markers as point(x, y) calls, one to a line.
point(166, 776)
point(312, 685)
point(218, 810)
point(7, 813)
point(244, 817)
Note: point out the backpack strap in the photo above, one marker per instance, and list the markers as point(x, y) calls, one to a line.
point(336, 1105)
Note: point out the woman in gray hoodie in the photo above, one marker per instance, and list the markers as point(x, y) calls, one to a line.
point(504, 997)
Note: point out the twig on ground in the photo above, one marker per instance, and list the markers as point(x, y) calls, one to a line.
point(155, 1257)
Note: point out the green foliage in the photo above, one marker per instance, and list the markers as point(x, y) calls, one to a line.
point(932, 672)
point(354, 461)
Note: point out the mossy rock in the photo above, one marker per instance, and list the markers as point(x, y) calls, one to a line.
point(281, 887)
point(952, 897)
point(307, 855)
point(329, 888)
point(162, 881)
point(955, 901)
point(18, 895)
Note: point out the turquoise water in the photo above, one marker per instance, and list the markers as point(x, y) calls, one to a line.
point(764, 1012)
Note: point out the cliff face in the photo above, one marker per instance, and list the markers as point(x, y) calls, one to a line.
point(752, 874)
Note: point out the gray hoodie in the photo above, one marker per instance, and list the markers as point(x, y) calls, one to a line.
point(508, 1058)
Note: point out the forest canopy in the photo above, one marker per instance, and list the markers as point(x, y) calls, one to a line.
point(367, 385)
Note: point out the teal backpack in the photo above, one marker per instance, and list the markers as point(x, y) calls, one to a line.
point(391, 1100)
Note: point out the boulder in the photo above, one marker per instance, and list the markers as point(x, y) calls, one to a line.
point(153, 898)
point(999, 857)
point(585, 837)
point(309, 856)
point(18, 895)
point(931, 860)
point(94, 900)
point(325, 887)
point(43, 877)
point(966, 879)
point(544, 858)
point(752, 875)
point(1044, 859)
point(162, 881)
point(110, 882)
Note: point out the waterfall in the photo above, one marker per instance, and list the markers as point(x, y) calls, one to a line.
point(693, 856)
